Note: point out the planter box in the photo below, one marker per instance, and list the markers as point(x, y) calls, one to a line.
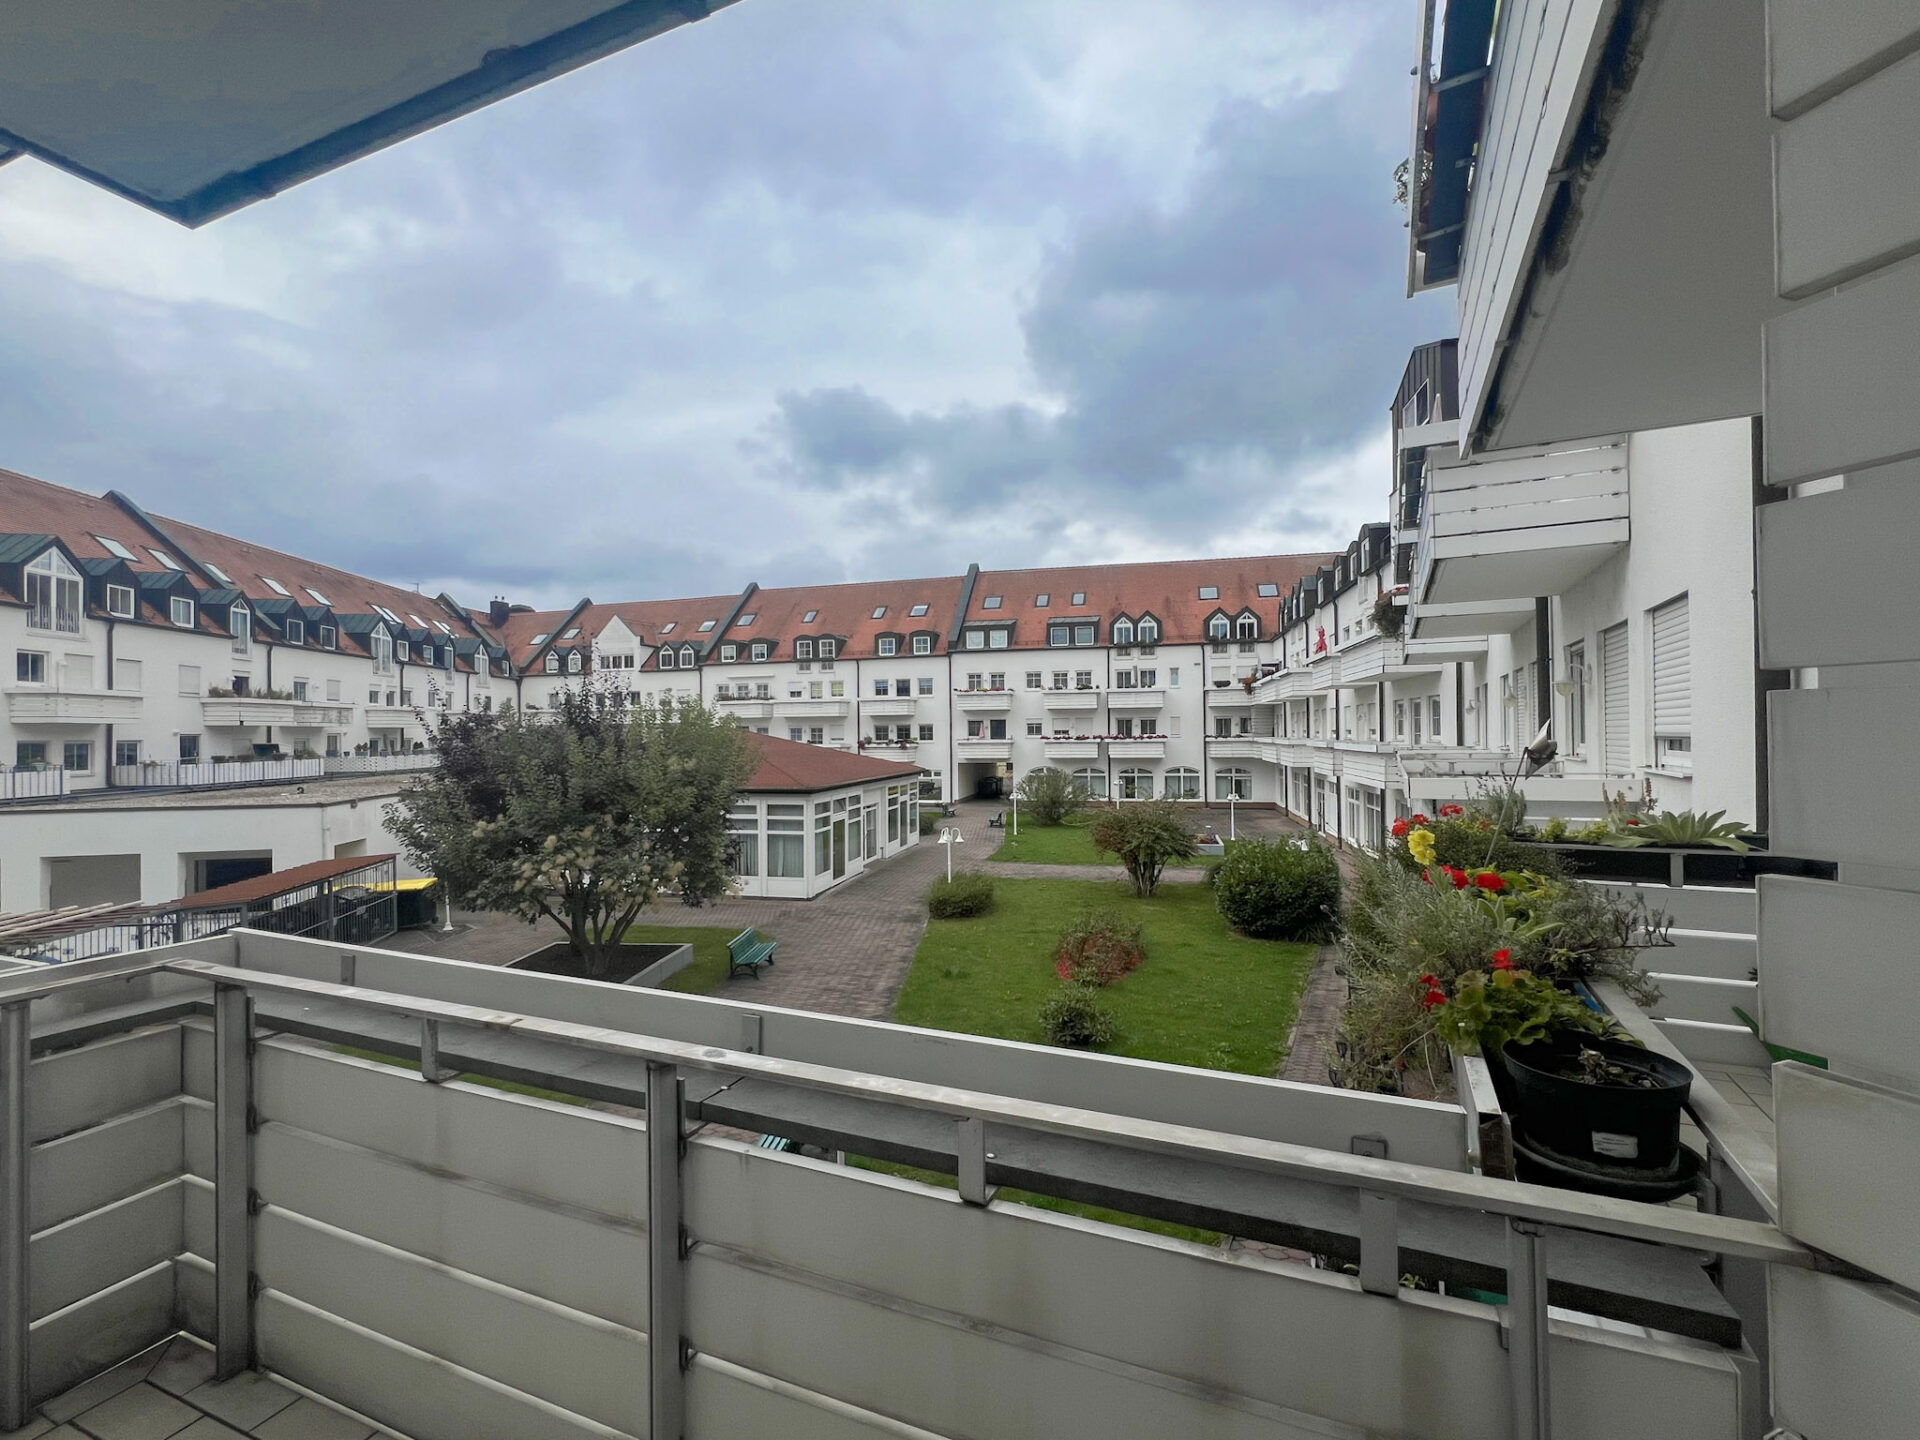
point(1675, 865)
point(646, 966)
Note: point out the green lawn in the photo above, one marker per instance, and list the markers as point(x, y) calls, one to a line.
point(1205, 996)
point(708, 972)
point(1054, 845)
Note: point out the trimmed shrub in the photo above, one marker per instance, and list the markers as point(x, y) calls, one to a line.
point(1287, 889)
point(960, 898)
point(1073, 1016)
point(1097, 949)
point(1050, 795)
point(1146, 835)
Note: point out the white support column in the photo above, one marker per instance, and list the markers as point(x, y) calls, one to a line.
point(667, 1354)
point(232, 1179)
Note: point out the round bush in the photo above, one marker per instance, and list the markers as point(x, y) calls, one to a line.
point(960, 898)
point(1287, 889)
point(1074, 1016)
point(1098, 948)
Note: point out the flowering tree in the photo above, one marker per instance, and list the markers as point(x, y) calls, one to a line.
point(582, 815)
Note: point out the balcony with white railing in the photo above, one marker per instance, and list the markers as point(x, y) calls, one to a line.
point(975, 702)
point(1073, 702)
point(1243, 747)
point(811, 709)
point(1119, 699)
point(889, 707)
point(981, 747)
point(194, 1143)
point(745, 707)
point(1061, 749)
point(33, 782)
point(1521, 523)
point(1138, 747)
point(394, 717)
point(380, 764)
point(1236, 696)
point(250, 711)
point(215, 774)
point(61, 705)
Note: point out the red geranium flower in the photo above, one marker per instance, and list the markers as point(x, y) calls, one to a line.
point(1419, 819)
point(1503, 959)
point(1489, 880)
point(1430, 981)
point(1434, 998)
point(1400, 828)
point(1447, 811)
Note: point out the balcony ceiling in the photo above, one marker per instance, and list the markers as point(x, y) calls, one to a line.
point(196, 108)
point(1650, 314)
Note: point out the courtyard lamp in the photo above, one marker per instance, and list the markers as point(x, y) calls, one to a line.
point(950, 836)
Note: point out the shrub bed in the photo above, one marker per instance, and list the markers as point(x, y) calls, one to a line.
point(1098, 948)
point(1287, 889)
point(1073, 1016)
point(960, 898)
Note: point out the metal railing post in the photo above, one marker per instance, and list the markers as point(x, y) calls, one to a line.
point(1379, 1244)
point(1527, 1329)
point(970, 1171)
point(666, 1277)
point(16, 1316)
point(232, 1180)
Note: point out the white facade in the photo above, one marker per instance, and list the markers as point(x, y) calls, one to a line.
point(795, 845)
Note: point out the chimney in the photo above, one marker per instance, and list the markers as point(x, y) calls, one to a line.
point(497, 612)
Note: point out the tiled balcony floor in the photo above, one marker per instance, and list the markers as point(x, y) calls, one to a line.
point(168, 1393)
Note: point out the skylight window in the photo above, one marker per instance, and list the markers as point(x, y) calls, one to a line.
point(992, 602)
point(571, 633)
point(541, 638)
point(218, 574)
point(667, 629)
point(706, 625)
point(114, 547)
point(745, 620)
point(387, 614)
point(164, 558)
point(1209, 592)
point(443, 627)
point(272, 584)
point(918, 611)
point(1079, 597)
point(1269, 589)
point(809, 617)
point(879, 612)
point(318, 598)
point(1042, 600)
point(418, 623)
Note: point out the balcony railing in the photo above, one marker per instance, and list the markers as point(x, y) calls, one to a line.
point(247, 711)
point(981, 747)
point(43, 705)
point(1521, 524)
point(1138, 748)
point(379, 764)
point(814, 709)
point(33, 783)
point(1073, 702)
point(214, 774)
point(746, 707)
point(1119, 699)
point(976, 701)
point(1072, 749)
point(459, 1263)
point(889, 707)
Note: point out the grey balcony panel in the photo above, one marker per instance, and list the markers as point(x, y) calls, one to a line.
point(94, 1252)
point(1621, 1279)
point(78, 1088)
point(84, 1339)
point(92, 1168)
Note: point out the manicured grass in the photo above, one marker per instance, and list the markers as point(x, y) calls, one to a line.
point(1205, 997)
point(708, 972)
point(1053, 845)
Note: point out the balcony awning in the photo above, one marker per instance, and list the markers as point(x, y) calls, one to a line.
point(196, 108)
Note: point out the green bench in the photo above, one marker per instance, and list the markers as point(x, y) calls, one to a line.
point(748, 954)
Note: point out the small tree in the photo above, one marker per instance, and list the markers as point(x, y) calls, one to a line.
point(580, 815)
point(1146, 836)
point(1050, 795)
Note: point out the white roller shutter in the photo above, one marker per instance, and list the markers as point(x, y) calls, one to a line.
point(1615, 731)
point(1672, 671)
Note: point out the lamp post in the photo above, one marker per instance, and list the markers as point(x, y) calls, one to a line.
point(1233, 796)
point(950, 836)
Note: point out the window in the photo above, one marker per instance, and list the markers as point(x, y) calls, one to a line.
point(1041, 600)
point(300, 690)
point(189, 749)
point(1233, 785)
point(794, 732)
point(743, 822)
point(973, 680)
point(887, 645)
point(1433, 719)
point(1123, 632)
point(240, 621)
point(120, 600)
point(923, 644)
point(1415, 710)
point(996, 680)
point(903, 688)
point(318, 598)
point(976, 639)
point(744, 621)
point(816, 689)
point(272, 584)
point(976, 730)
point(925, 684)
point(1083, 679)
point(114, 547)
point(1576, 728)
point(333, 692)
point(1672, 687)
point(296, 632)
point(189, 680)
point(1269, 590)
point(30, 754)
point(1148, 631)
point(668, 660)
point(706, 625)
point(1123, 725)
point(879, 613)
point(126, 752)
point(1060, 680)
point(1222, 726)
point(165, 559)
point(1248, 628)
point(574, 663)
point(817, 735)
point(128, 675)
point(880, 687)
point(53, 594)
point(329, 637)
point(76, 755)
point(1033, 679)
point(786, 840)
point(1209, 592)
point(181, 611)
point(838, 689)
point(997, 639)
point(903, 733)
point(1033, 727)
point(729, 654)
point(1091, 783)
point(803, 649)
point(809, 617)
point(1123, 679)
point(1183, 783)
point(1079, 597)
point(666, 629)
point(759, 650)
point(1218, 628)
point(686, 657)
point(1084, 634)
point(1149, 679)
point(30, 667)
point(917, 611)
point(992, 602)
point(1136, 785)
point(1059, 634)
point(1399, 719)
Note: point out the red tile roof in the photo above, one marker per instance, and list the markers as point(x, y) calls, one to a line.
point(34, 507)
point(787, 765)
point(1169, 590)
point(846, 611)
point(278, 882)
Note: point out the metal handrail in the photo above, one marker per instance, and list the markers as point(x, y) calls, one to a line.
point(1513, 1200)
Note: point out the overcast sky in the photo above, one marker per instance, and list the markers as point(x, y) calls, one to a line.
point(812, 290)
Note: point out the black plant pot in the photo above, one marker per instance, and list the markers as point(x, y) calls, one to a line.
point(1606, 1130)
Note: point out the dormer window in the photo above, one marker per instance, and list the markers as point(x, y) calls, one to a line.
point(667, 661)
point(759, 650)
point(1219, 628)
point(241, 624)
point(686, 657)
point(296, 632)
point(381, 644)
point(401, 651)
point(976, 639)
point(1148, 631)
point(120, 601)
point(923, 644)
point(181, 612)
point(1123, 632)
point(1059, 634)
point(803, 649)
point(552, 663)
point(329, 637)
point(729, 654)
point(53, 594)
point(574, 663)
point(1248, 627)
point(827, 649)
point(887, 645)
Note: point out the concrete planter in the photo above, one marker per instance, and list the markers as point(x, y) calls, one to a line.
point(645, 966)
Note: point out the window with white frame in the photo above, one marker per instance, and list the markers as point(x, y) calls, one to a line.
point(923, 644)
point(1672, 687)
point(686, 657)
point(669, 659)
point(240, 621)
point(886, 645)
point(1091, 782)
point(803, 649)
point(1147, 632)
point(53, 594)
point(759, 650)
point(574, 663)
point(729, 653)
point(120, 601)
point(1182, 783)
point(1123, 632)
point(1233, 784)
point(1219, 628)
point(30, 667)
point(1247, 627)
point(827, 649)
point(1433, 719)
point(1135, 785)
point(382, 644)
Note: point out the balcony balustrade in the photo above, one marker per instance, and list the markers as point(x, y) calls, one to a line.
point(1521, 523)
point(32, 783)
point(51, 705)
point(1236, 696)
point(1073, 702)
point(1072, 749)
point(379, 764)
point(1118, 699)
point(251, 711)
point(974, 702)
point(982, 748)
point(745, 707)
point(395, 717)
point(1138, 749)
point(214, 774)
point(814, 709)
point(889, 707)
point(1243, 747)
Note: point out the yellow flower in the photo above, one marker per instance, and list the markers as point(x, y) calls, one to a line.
point(1420, 846)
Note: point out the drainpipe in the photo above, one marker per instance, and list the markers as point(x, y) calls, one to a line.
point(1764, 681)
point(106, 760)
point(1543, 663)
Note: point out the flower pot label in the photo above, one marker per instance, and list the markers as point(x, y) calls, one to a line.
point(1619, 1147)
